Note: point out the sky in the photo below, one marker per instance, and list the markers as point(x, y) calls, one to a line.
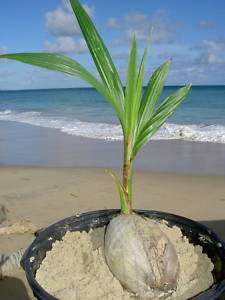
point(191, 33)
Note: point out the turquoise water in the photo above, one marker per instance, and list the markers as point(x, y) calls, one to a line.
point(83, 112)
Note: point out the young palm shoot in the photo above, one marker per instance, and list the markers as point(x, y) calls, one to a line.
point(140, 262)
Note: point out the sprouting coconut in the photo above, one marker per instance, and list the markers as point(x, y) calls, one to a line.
point(138, 260)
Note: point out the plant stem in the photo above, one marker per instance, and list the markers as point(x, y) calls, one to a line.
point(127, 174)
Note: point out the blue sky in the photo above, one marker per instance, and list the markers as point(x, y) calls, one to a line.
point(192, 33)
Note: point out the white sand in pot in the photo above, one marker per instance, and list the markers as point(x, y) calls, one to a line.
point(75, 269)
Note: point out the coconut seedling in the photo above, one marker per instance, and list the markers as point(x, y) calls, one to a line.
point(140, 262)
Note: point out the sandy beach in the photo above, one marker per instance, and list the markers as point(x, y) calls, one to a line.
point(45, 195)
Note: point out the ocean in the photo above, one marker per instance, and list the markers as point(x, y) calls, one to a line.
point(83, 112)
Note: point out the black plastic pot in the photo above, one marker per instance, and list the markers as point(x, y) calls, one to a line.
point(212, 245)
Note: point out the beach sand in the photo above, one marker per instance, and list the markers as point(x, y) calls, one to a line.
point(46, 195)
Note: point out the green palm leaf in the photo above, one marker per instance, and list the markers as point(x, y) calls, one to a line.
point(139, 87)
point(64, 64)
point(152, 93)
point(99, 52)
point(165, 110)
point(130, 99)
point(122, 193)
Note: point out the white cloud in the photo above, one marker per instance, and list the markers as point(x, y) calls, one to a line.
point(207, 54)
point(5, 73)
point(212, 52)
point(89, 9)
point(202, 64)
point(216, 45)
point(141, 24)
point(135, 18)
point(62, 22)
point(3, 49)
point(65, 44)
point(205, 24)
point(113, 23)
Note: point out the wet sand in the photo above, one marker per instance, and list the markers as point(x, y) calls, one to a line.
point(26, 145)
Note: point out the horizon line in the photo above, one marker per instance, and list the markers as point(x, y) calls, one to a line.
point(89, 87)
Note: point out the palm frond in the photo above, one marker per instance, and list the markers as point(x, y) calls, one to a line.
point(64, 64)
point(152, 93)
point(139, 87)
point(130, 99)
point(165, 110)
point(100, 54)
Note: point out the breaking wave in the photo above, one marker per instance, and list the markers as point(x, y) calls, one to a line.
point(188, 132)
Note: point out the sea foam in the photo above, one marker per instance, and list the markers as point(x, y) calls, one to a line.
point(190, 132)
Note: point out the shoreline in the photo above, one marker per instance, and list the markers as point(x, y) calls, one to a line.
point(27, 145)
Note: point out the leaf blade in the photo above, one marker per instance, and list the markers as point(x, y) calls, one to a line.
point(123, 203)
point(130, 88)
point(139, 86)
point(165, 110)
point(63, 64)
point(99, 52)
point(152, 93)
